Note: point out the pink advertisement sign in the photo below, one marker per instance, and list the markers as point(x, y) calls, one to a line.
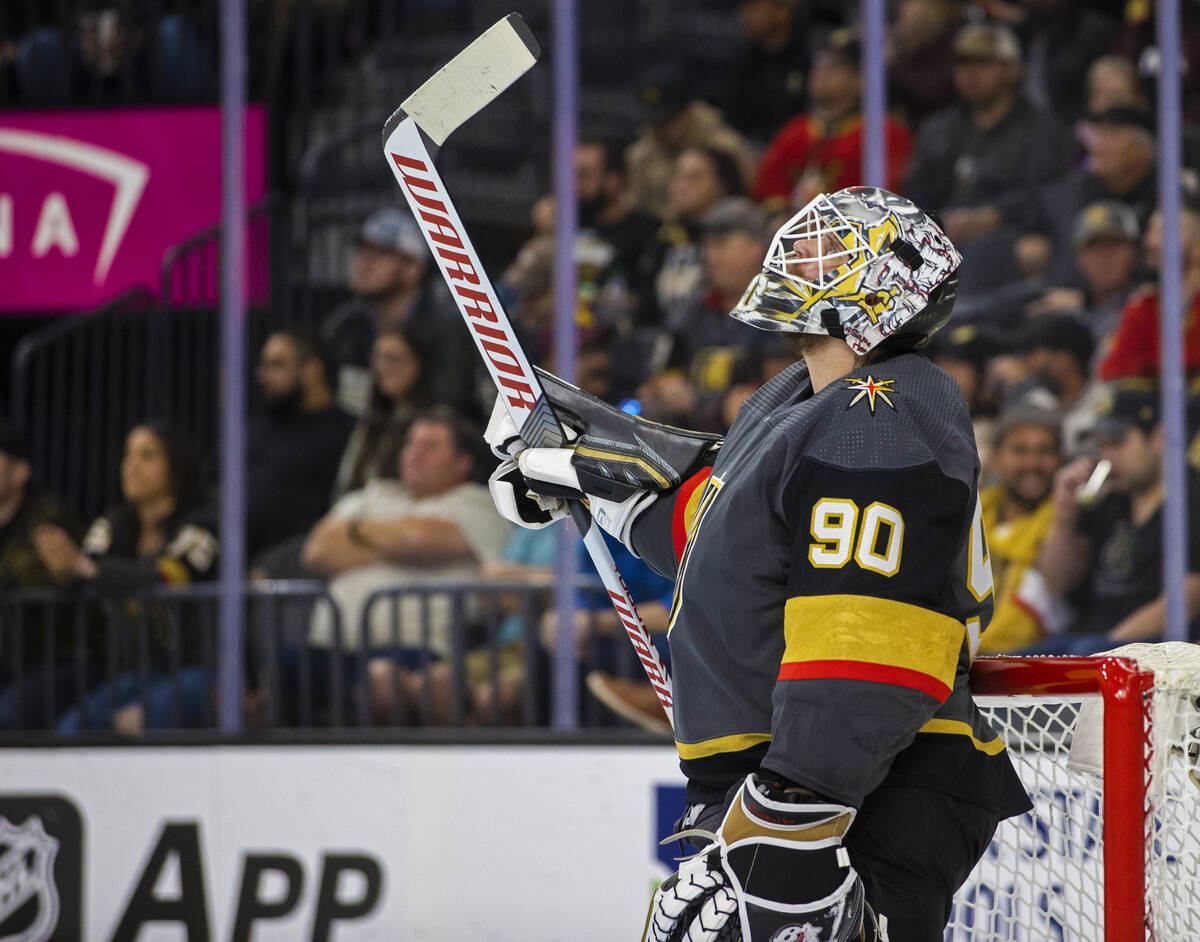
point(90, 200)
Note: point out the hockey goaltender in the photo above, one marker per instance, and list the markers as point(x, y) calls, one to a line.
point(832, 583)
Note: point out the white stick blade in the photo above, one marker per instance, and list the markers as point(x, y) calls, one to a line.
point(474, 78)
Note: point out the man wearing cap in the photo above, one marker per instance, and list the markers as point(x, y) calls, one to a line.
point(1120, 166)
point(1104, 555)
point(389, 286)
point(1107, 250)
point(989, 145)
point(1017, 513)
point(704, 343)
point(24, 508)
point(1135, 349)
point(675, 120)
point(821, 151)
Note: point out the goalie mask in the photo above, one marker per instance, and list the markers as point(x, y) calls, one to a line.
point(861, 264)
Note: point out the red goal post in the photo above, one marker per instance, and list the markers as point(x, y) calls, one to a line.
point(1107, 747)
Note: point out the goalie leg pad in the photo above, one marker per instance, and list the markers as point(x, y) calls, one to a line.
point(778, 854)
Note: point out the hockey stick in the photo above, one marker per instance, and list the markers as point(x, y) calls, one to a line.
point(411, 138)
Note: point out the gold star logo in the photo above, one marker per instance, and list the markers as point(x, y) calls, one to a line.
point(870, 388)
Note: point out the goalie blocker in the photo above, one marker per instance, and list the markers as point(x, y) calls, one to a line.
point(619, 462)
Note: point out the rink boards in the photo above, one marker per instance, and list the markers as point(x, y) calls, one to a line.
point(412, 842)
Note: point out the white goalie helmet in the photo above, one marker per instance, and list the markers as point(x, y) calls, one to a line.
point(861, 264)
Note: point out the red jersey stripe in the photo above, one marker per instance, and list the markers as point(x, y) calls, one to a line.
point(687, 499)
point(862, 670)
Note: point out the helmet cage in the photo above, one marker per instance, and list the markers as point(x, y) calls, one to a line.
point(856, 264)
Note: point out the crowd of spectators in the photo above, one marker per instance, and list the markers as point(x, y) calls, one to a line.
point(1027, 126)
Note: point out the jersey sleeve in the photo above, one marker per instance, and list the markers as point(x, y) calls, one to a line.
point(660, 533)
point(190, 555)
point(875, 630)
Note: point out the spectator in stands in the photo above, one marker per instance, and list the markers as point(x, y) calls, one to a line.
point(162, 533)
point(613, 255)
point(392, 283)
point(293, 448)
point(23, 509)
point(919, 72)
point(599, 636)
point(752, 367)
point(704, 343)
point(990, 146)
point(1061, 38)
point(1106, 557)
point(1017, 512)
point(1056, 356)
point(397, 396)
point(821, 151)
point(527, 287)
point(966, 352)
point(494, 695)
point(1112, 82)
point(675, 122)
point(1135, 346)
point(109, 53)
point(768, 76)
point(1138, 41)
point(434, 524)
point(611, 244)
point(1106, 240)
point(702, 177)
point(1120, 166)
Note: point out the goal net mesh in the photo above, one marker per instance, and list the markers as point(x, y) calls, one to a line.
point(1043, 876)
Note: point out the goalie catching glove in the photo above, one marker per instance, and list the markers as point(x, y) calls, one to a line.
point(775, 870)
point(532, 491)
point(619, 463)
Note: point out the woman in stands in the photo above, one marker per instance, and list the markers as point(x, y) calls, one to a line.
point(162, 533)
point(399, 391)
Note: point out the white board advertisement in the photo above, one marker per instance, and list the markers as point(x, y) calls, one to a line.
point(438, 843)
point(435, 843)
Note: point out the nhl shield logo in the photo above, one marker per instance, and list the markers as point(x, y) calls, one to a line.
point(28, 897)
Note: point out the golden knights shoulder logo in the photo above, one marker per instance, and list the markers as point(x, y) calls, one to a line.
point(870, 389)
point(27, 887)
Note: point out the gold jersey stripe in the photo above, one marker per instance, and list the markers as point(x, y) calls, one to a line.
point(589, 452)
point(711, 747)
point(959, 728)
point(871, 630)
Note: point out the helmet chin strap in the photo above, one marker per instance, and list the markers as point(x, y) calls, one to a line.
point(832, 323)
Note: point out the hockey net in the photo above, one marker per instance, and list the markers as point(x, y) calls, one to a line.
point(1109, 750)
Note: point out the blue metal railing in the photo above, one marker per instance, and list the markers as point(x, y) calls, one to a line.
point(70, 660)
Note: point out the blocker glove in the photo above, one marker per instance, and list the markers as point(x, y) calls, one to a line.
point(617, 463)
point(776, 869)
point(532, 491)
point(516, 502)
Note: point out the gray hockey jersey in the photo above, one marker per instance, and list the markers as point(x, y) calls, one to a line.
point(832, 581)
